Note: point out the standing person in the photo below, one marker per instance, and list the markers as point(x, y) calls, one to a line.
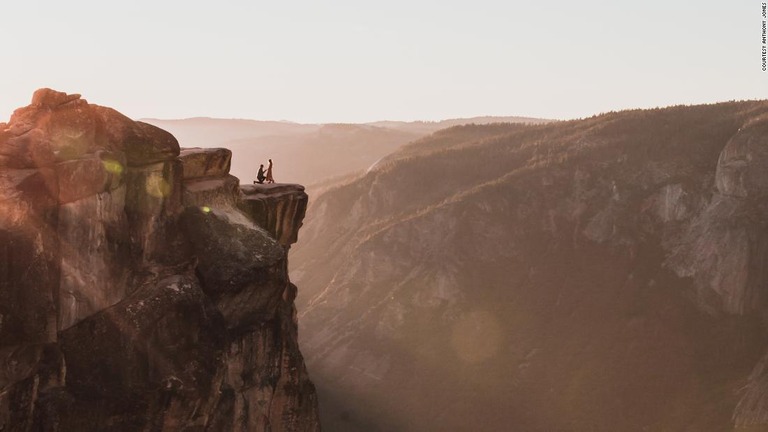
point(260, 177)
point(270, 179)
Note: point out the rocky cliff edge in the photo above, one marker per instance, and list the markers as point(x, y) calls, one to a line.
point(141, 288)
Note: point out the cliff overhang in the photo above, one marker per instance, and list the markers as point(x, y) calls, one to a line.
point(140, 285)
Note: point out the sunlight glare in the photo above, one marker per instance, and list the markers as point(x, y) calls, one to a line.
point(113, 166)
point(157, 186)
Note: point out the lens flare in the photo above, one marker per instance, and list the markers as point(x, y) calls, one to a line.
point(157, 186)
point(113, 166)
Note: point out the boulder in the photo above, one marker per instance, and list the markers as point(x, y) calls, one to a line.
point(51, 98)
point(71, 129)
point(232, 252)
point(209, 162)
point(142, 143)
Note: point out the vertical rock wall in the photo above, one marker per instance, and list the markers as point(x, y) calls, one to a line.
point(725, 247)
point(138, 289)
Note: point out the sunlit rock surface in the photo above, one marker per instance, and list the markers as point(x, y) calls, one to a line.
point(135, 293)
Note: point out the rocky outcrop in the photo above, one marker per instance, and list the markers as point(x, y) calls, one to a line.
point(279, 208)
point(135, 292)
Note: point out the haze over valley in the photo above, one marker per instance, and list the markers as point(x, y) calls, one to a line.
point(308, 154)
point(476, 216)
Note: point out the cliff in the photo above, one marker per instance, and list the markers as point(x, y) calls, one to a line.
point(604, 274)
point(140, 287)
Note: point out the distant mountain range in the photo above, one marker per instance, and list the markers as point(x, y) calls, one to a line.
point(605, 274)
point(309, 154)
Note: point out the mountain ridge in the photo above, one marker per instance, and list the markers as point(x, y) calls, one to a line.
point(310, 154)
point(456, 283)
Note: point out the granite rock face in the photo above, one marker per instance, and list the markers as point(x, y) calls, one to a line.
point(138, 290)
point(725, 246)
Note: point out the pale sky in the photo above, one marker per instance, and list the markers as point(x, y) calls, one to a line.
point(357, 61)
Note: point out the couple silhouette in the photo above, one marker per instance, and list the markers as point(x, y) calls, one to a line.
point(261, 177)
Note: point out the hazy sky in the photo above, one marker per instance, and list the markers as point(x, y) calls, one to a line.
point(354, 61)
